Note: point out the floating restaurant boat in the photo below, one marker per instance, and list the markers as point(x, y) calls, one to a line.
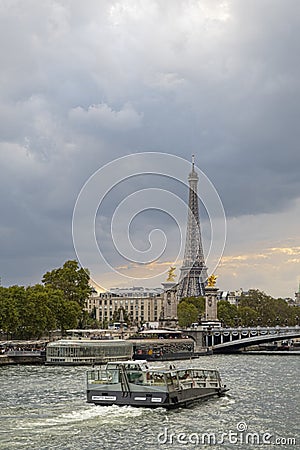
point(134, 383)
point(88, 347)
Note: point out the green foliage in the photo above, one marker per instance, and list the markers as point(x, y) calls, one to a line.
point(190, 310)
point(247, 316)
point(38, 318)
point(35, 311)
point(226, 313)
point(198, 302)
point(69, 313)
point(187, 313)
point(265, 310)
point(257, 308)
point(71, 280)
point(10, 300)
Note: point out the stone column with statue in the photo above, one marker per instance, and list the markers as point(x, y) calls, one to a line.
point(211, 301)
point(170, 300)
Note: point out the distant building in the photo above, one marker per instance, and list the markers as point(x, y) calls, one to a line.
point(232, 297)
point(290, 301)
point(140, 304)
point(136, 292)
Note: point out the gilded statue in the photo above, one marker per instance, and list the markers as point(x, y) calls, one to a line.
point(211, 281)
point(171, 274)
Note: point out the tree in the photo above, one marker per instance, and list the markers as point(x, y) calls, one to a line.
point(71, 280)
point(9, 314)
point(247, 315)
point(270, 311)
point(68, 314)
point(39, 318)
point(187, 313)
point(16, 296)
point(227, 313)
point(199, 303)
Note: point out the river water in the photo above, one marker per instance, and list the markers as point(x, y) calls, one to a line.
point(44, 407)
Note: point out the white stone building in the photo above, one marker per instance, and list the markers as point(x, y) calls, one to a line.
point(140, 304)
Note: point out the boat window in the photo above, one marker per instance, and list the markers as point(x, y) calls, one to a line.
point(135, 376)
point(171, 378)
point(113, 375)
point(111, 366)
point(184, 374)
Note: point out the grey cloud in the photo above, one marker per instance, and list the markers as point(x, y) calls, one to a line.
point(103, 116)
point(82, 84)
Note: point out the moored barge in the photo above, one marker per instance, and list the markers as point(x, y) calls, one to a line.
point(162, 345)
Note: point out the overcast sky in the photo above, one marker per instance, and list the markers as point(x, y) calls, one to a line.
point(85, 82)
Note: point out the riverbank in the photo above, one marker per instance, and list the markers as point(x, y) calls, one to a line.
point(271, 352)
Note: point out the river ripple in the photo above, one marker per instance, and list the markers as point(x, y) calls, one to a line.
point(44, 407)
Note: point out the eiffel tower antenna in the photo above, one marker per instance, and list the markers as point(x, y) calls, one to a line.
point(193, 271)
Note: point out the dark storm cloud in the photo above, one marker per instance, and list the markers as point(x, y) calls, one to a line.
point(84, 83)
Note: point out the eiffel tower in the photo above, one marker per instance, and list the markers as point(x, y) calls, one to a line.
point(193, 271)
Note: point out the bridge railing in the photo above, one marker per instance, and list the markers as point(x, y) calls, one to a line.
point(219, 335)
point(258, 329)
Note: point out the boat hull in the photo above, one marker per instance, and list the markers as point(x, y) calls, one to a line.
point(176, 399)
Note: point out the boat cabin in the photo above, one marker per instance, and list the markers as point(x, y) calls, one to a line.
point(135, 383)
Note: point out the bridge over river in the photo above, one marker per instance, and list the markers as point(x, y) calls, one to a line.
point(228, 340)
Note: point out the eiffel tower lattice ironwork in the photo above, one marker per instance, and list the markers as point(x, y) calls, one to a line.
point(193, 271)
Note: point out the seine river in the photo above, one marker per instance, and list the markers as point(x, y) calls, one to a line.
point(44, 407)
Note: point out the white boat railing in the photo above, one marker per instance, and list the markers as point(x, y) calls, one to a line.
point(174, 379)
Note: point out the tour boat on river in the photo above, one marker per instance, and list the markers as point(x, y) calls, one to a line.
point(134, 383)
